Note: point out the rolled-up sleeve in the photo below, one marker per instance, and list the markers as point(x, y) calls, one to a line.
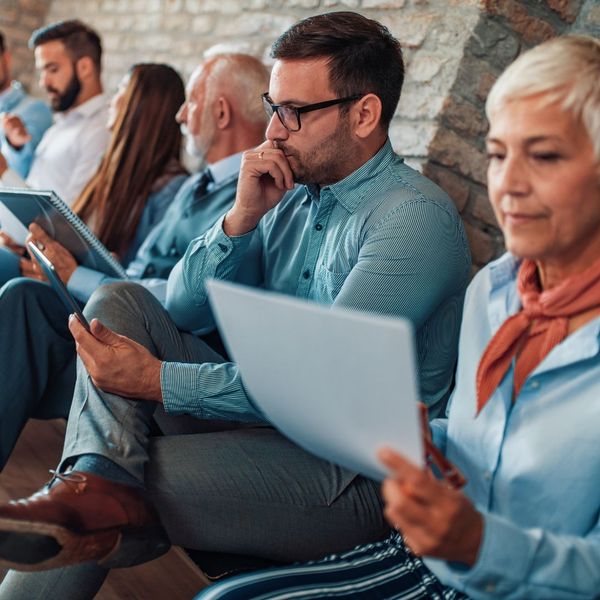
point(206, 391)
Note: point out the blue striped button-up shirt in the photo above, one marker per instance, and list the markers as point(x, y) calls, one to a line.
point(385, 239)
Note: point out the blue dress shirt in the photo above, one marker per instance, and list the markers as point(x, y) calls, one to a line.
point(533, 465)
point(161, 247)
point(384, 239)
point(36, 117)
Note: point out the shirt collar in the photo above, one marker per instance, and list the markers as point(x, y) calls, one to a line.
point(11, 96)
point(86, 110)
point(503, 270)
point(225, 168)
point(351, 190)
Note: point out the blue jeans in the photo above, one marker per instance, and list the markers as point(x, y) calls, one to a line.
point(37, 358)
point(9, 266)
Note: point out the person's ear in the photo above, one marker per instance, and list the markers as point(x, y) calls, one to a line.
point(85, 68)
point(365, 115)
point(223, 113)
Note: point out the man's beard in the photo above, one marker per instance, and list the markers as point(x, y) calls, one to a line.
point(197, 146)
point(325, 164)
point(65, 100)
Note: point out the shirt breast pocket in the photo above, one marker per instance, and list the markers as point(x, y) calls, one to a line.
point(329, 284)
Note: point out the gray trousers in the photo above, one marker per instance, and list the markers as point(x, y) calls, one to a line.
point(244, 490)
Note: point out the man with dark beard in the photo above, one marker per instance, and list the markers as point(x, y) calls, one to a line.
point(68, 58)
point(365, 231)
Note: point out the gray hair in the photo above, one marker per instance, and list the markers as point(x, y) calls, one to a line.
point(246, 79)
point(565, 68)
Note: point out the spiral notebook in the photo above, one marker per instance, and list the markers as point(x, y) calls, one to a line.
point(47, 210)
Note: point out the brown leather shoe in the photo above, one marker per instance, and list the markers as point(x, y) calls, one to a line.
point(79, 517)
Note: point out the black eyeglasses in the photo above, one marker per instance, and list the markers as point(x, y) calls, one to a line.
point(290, 115)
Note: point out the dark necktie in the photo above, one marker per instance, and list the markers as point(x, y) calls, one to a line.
point(203, 182)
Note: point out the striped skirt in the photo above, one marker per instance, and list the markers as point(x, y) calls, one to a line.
point(382, 570)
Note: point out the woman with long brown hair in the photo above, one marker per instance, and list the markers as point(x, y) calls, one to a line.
point(137, 178)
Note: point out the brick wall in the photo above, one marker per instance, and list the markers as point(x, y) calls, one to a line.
point(456, 157)
point(454, 51)
point(18, 18)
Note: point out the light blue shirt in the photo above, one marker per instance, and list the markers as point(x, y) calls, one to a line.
point(533, 466)
point(36, 117)
point(84, 281)
point(385, 239)
point(161, 244)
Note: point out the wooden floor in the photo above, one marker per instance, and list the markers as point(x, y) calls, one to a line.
point(172, 576)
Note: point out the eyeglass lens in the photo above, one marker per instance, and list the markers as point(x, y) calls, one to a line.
point(287, 115)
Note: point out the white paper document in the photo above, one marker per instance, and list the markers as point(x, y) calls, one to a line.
point(10, 225)
point(339, 383)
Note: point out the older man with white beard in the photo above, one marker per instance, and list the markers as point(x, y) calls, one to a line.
point(226, 89)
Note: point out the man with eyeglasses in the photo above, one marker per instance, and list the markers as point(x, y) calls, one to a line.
point(363, 230)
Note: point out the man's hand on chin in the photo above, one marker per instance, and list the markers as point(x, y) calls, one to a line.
point(117, 364)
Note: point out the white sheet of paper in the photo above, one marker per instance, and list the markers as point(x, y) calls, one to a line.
point(12, 226)
point(339, 383)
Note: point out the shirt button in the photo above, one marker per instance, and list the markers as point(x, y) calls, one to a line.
point(173, 251)
point(490, 587)
point(306, 274)
point(150, 270)
point(534, 385)
point(318, 226)
point(487, 475)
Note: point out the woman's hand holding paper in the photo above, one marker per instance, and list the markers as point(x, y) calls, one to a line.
point(435, 519)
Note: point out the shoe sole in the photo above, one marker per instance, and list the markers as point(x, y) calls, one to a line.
point(35, 546)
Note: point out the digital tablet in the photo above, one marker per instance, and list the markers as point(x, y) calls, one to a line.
point(57, 284)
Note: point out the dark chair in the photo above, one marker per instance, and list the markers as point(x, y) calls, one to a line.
point(218, 565)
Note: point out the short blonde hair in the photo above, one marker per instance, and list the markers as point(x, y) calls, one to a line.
point(566, 68)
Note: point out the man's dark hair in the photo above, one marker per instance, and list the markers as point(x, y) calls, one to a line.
point(363, 56)
point(79, 39)
point(1, 43)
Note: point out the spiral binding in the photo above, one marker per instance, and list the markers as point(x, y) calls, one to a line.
point(97, 247)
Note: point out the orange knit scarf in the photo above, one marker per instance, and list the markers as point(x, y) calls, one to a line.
point(541, 324)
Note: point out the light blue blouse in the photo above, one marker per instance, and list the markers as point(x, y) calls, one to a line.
point(533, 466)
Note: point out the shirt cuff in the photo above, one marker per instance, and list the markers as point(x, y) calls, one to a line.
point(178, 382)
point(206, 391)
point(18, 159)
point(219, 244)
point(503, 562)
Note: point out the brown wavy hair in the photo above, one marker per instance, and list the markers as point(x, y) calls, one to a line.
point(143, 150)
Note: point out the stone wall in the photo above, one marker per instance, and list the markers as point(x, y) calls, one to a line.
point(179, 31)
point(18, 18)
point(456, 157)
point(454, 50)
